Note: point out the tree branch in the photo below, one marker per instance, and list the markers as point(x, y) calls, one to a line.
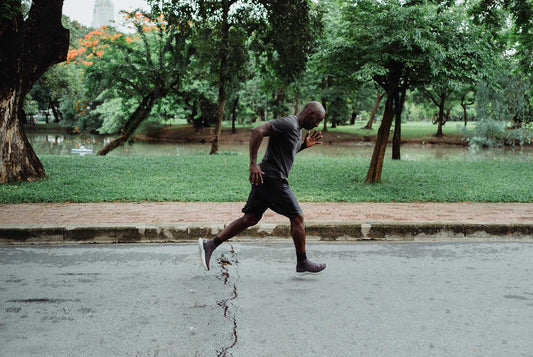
point(46, 41)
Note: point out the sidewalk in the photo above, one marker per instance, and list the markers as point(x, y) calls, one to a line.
point(186, 221)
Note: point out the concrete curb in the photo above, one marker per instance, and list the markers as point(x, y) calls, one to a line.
point(337, 232)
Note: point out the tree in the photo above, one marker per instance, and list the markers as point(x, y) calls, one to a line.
point(288, 42)
point(504, 97)
point(510, 23)
point(468, 97)
point(392, 48)
point(462, 58)
point(28, 47)
point(221, 31)
point(60, 80)
point(495, 15)
point(54, 85)
point(406, 45)
point(227, 29)
point(142, 68)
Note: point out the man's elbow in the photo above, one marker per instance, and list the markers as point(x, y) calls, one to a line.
point(257, 132)
point(261, 130)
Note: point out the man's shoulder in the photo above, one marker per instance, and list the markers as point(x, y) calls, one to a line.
point(285, 123)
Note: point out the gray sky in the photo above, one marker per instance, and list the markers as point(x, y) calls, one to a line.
point(82, 10)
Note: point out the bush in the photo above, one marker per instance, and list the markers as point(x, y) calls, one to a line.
point(521, 136)
point(487, 133)
point(491, 133)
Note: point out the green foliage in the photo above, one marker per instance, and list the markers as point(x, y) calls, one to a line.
point(505, 97)
point(30, 106)
point(113, 116)
point(487, 133)
point(223, 177)
point(510, 23)
point(62, 85)
point(461, 60)
point(294, 20)
point(491, 133)
point(522, 136)
point(8, 10)
point(282, 53)
point(394, 42)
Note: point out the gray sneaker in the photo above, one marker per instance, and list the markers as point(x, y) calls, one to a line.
point(206, 248)
point(308, 266)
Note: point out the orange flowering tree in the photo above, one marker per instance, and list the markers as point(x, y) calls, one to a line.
point(140, 68)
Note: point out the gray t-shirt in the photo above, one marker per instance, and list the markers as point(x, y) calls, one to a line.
point(283, 145)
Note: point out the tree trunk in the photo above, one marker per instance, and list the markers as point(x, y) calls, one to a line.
point(58, 116)
point(376, 164)
point(19, 162)
point(324, 103)
point(234, 115)
point(27, 49)
point(222, 77)
point(220, 116)
point(280, 99)
point(379, 97)
point(440, 120)
point(464, 104)
point(333, 119)
point(23, 118)
point(397, 138)
point(353, 117)
point(325, 126)
point(135, 119)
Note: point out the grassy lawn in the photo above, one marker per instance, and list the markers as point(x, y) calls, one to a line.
point(410, 129)
point(223, 177)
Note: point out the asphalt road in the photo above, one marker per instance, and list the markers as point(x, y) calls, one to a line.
point(374, 299)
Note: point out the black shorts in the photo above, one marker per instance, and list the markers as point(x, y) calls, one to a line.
point(275, 194)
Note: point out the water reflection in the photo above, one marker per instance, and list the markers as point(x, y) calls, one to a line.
point(63, 144)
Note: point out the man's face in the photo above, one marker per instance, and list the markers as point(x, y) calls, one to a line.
point(313, 119)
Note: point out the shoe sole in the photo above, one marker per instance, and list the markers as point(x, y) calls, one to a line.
point(202, 253)
point(301, 273)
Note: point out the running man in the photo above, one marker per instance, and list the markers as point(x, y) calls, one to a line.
point(270, 188)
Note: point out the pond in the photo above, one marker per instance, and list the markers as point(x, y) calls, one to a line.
point(83, 144)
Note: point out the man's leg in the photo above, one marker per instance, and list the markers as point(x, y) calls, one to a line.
point(298, 233)
point(298, 236)
point(237, 226)
point(207, 246)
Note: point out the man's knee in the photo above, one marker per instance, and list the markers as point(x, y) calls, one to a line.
point(250, 219)
point(299, 219)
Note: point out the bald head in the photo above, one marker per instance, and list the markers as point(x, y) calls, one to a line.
point(315, 107)
point(311, 115)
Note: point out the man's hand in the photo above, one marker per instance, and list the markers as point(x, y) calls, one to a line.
point(256, 174)
point(312, 139)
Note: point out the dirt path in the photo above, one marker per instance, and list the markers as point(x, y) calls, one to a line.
point(219, 213)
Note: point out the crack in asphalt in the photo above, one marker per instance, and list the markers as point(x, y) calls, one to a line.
point(227, 304)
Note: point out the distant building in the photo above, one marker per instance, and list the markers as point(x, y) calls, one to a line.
point(104, 13)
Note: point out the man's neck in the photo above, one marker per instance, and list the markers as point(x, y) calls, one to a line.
point(300, 120)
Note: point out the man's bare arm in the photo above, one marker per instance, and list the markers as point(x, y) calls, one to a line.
point(256, 138)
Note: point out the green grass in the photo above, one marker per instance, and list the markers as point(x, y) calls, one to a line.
point(410, 130)
point(223, 177)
